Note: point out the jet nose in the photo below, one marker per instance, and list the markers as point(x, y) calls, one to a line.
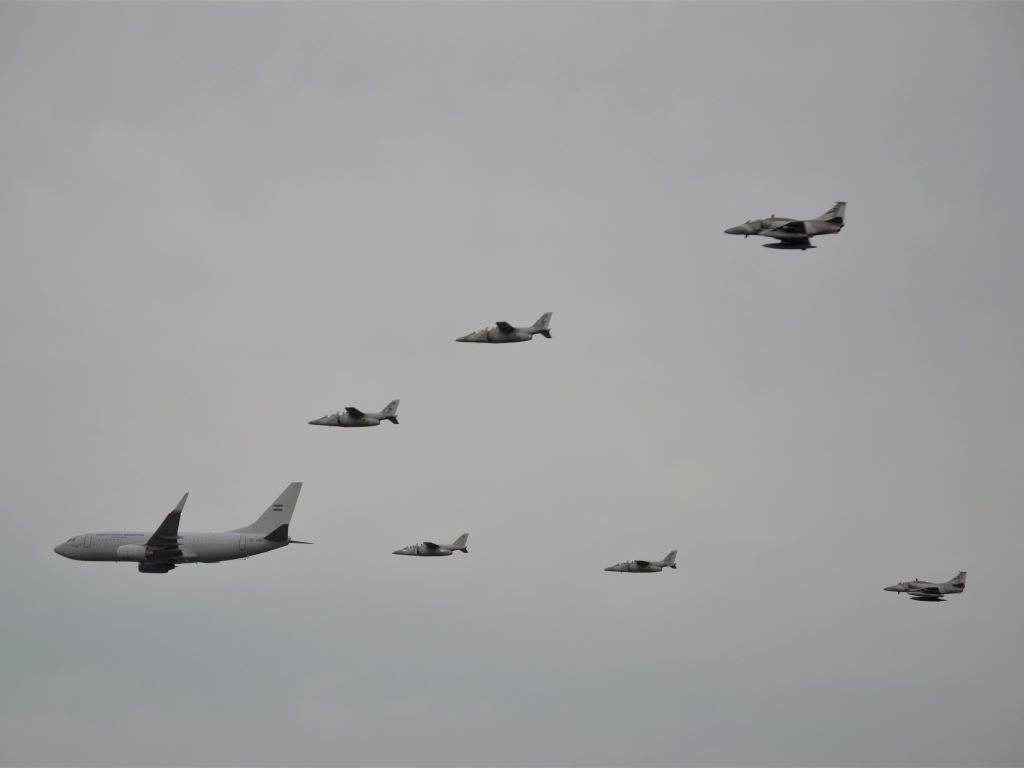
point(740, 230)
point(890, 589)
point(59, 549)
point(464, 338)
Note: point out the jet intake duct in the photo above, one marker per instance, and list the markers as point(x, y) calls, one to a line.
point(134, 552)
point(155, 567)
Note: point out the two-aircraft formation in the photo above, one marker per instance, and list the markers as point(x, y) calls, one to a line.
point(166, 548)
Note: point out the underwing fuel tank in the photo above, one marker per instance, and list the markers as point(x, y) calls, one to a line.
point(784, 246)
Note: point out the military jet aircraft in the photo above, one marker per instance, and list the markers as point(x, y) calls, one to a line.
point(430, 549)
point(793, 234)
point(931, 592)
point(165, 548)
point(503, 333)
point(353, 417)
point(645, 566)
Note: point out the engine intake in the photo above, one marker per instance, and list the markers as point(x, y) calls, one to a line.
point(134, 552)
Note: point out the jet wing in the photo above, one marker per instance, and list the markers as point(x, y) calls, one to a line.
point(643, 563)
point(795, 227)
point(355, 413)
point(164, 541)
point(431, 546)
point(504, 327)
point(926, 591)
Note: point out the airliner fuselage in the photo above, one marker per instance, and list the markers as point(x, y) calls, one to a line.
point(195, 547)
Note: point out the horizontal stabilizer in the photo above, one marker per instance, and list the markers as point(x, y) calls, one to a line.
point(278, 534)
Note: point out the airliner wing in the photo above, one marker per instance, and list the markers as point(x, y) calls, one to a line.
point(164, 540)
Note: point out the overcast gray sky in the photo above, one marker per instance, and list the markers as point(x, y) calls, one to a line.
point(220, 221)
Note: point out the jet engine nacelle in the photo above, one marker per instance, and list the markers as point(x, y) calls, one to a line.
point(155, 567)
point(134, 552)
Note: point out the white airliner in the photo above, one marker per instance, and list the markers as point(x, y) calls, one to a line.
point(162, 550)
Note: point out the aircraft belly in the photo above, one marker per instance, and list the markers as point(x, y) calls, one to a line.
point(215, 551)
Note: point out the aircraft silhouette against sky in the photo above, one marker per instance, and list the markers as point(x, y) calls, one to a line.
point(931, 592)
point(503, 333)
point(166, 548)
point(353, 417)
point(793, 234)
point(645, 566)
point(430, 549)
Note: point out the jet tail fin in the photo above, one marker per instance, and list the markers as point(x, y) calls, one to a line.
point(959, 581)
point(670, 559)
point(460, 543)
point(541, 326)
point(390, 412)
point(834, 215)
point(278, 515)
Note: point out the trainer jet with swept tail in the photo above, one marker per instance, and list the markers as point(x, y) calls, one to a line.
point(505, 333)
point(430, 549)
point(928, 591)
point(353, 417)
point(793, 234)
point(166, 548)
point(645, 566)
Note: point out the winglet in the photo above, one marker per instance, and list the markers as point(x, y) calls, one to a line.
point(181, 504)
